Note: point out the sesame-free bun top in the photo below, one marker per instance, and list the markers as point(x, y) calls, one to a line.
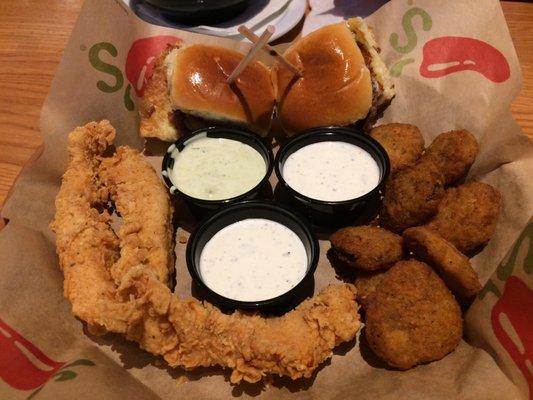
point(335, 87)
point(197, 84)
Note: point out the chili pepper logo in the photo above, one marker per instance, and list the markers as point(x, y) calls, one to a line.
point(513, 326)
point(141, 57)
point(23, 366)
point(511, 314)
point(447, 54)
point(139, 65)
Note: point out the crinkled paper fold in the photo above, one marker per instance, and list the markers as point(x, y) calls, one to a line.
point(454, 66)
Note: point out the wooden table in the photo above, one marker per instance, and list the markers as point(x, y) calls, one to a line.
point(33, 34)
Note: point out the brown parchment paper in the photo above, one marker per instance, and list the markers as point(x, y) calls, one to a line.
point(31, 299)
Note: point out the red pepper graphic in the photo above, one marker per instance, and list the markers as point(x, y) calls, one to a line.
point(448, 54)
point(140, 59)
point(514, 309)
point(16, 367)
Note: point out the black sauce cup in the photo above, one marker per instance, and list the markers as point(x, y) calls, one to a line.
point(333, 213)
point(238, 212)
point(203, 207)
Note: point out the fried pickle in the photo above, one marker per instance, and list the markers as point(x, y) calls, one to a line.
point(367, 247)
point(412, 196)
point(452, 266)
point(130, 296)
point(453, 153)
point(366, 284)
point(403, 142)
point(412, 318)
point(467, 215)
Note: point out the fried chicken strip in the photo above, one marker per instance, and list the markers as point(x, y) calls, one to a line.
point(85, 243)
point(146, 231)
point(198, 334)
point(117, 283)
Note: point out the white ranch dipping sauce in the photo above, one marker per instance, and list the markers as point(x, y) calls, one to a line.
point(216, 168)
point(331, 171)
point(253, 259)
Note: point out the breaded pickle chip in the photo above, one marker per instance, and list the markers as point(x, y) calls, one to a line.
point(367, 247)
point(366, 284)
point(412, 196)
point(412, 318)
point(453, 153)
point(451, 265)
point(403, 142)
point(467, 215)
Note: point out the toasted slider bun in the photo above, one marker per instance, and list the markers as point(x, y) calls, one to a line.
point(197, 86)
point(343, 80)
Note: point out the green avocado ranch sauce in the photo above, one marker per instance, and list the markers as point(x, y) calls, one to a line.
point(216, 168)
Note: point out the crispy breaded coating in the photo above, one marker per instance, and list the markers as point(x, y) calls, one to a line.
point(143, 202)
point(412, 196)
point(367, 247)
point(453, 267)
point(118, 282)
point(86, 245)
point(403, 142)
point(158, 119)
point(412, 318)
point(293, 344)
point(453, 153)
point(366, 284)
point(467, 215)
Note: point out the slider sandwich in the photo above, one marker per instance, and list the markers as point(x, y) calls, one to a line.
point(343, 82)
point(188, 91)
